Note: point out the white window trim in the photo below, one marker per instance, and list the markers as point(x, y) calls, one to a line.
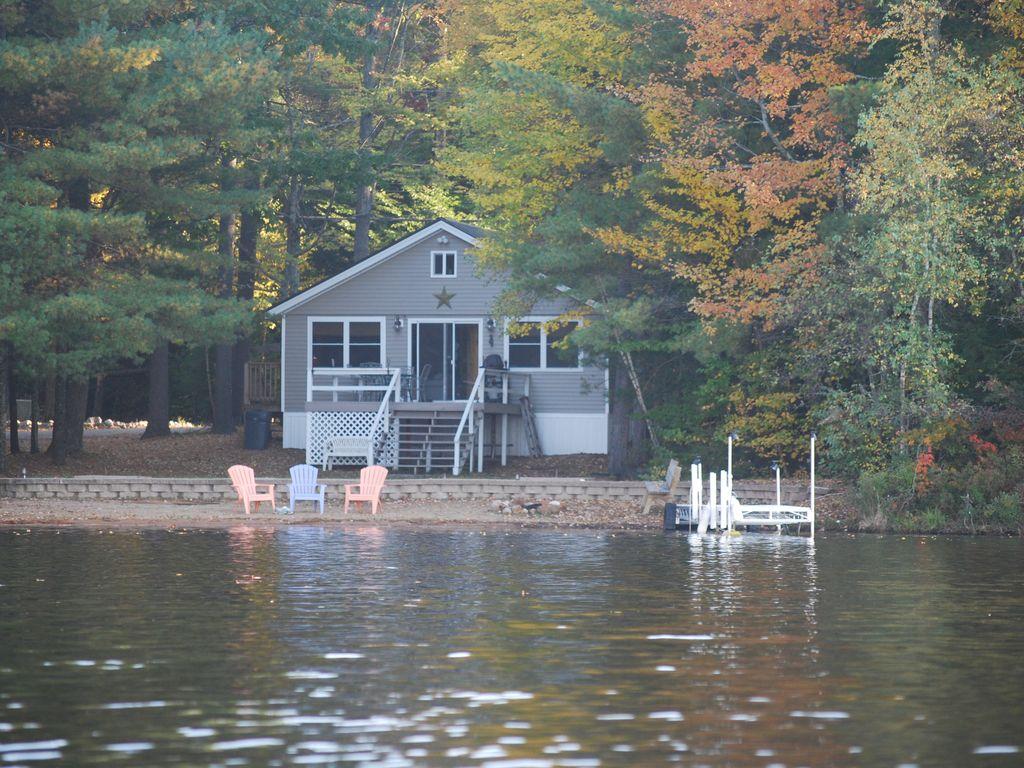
point(455, 265)
point(543, 347)
point(346, 319)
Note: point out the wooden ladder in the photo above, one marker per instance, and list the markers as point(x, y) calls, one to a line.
point(532, 440)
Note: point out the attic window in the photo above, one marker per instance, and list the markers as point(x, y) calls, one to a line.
point(442, 263)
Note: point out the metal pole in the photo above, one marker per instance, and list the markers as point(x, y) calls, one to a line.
point(732, 436)
point(778, 483)
point(814, 438)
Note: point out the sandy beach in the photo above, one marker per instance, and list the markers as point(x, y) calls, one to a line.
point(611, 515)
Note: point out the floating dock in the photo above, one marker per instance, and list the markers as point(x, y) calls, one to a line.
point(720, 511)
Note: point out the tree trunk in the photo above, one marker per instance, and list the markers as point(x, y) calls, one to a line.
point(223, 419)
point(248, 237)
point(97, 406)
point(293, 240)
point(625, 432)
point(159, 391)
point(365, 193)
point(12, 401)
point(58, 448)
point(77, 400)
point(4, 363)
point(33, 442)
point(364, 214)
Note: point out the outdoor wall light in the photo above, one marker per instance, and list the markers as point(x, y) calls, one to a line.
point(399, 322)
point(443, 239)
point(491, 325)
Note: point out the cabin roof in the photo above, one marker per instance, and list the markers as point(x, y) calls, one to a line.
point(466, 232)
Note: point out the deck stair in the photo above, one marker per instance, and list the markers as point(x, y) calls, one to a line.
point(425, 440)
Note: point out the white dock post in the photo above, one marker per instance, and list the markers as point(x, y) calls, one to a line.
point(778, 483)
point(700, 484)
point(694, 494)
point(814, 438)
point(726, 496)
point(712, 499)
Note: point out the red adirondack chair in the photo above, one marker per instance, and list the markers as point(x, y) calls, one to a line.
point(371, 481)
point(244, 480)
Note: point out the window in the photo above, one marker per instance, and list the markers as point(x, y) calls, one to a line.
point(534, 345)
point(442, 264)
point(524, 346)
point(561, 351)
point(328, 345)
point(347, 343)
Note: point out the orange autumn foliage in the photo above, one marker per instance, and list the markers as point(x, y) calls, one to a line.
point(750, 109)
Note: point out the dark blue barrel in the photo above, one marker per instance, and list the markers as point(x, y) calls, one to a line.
point(257, 430)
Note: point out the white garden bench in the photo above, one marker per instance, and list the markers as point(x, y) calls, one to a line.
point(348, 447)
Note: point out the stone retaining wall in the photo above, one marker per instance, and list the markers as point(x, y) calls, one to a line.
point(467, 487)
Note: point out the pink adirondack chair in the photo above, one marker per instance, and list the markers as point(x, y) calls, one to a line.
point(244, 481)
point(371, 481)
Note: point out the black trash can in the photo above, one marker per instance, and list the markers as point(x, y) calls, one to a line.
point(257, 430)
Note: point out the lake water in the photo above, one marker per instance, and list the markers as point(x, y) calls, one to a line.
point(400, 647)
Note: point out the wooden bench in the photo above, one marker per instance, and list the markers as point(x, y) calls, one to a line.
point(664, 491)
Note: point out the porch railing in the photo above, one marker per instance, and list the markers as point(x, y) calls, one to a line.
point(262, 382)
point(350, 384)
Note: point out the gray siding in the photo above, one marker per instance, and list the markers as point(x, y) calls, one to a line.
point(402, 285)
point(568, 392)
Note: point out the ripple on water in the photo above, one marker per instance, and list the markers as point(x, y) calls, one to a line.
point(25, 757)
point(130, 747)
point(135, 704)
point(681, 637)
point(997, 749)
point(31, 746)
point(671, 715)
point(821, 714)
point(196, 733)
point(311, 674)
point(254, 743)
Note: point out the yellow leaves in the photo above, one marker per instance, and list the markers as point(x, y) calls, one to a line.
point(96, 51)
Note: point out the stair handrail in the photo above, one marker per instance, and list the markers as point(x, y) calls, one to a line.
point(475, 394)
point(382, 409)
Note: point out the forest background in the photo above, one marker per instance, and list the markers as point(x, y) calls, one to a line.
point(791, 216)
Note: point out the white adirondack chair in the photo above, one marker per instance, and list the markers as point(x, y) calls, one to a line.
point(304, 486)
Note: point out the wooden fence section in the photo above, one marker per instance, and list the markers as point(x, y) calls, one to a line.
point(263, 384)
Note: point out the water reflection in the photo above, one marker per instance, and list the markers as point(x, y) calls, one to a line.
point(370, 646)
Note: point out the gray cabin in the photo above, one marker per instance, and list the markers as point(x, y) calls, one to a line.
point(401, 361)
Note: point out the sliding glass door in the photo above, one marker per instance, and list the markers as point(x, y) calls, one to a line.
point(445, 358)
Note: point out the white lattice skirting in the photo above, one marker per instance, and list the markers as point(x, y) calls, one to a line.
point(321, 426)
